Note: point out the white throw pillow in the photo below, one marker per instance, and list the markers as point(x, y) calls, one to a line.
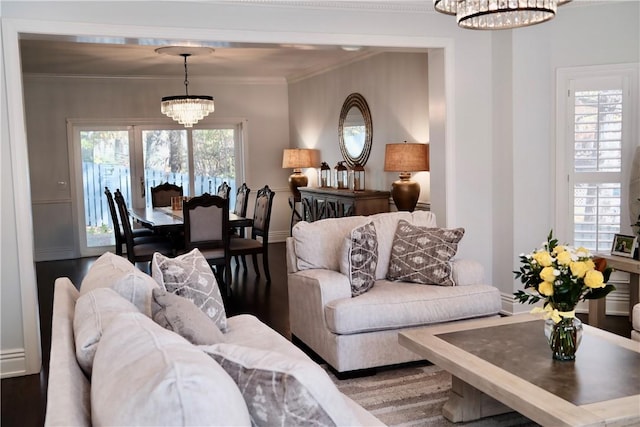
point(146, 375)
point(190, 276)
point(181, 316)
point(93, 313)
point(136, 287)
point(359, 258)
point(281, 390)
point(108, 268)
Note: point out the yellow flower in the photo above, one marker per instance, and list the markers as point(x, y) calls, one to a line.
point(546, 288)
point(579, 268)
point(543, 258)
point(590, 264)
point(564, 258)
point(559, 249)
point(594, 279)
point(547, 274)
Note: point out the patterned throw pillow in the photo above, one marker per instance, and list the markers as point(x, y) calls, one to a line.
point(281, 390)
point(360, 258)
point(190, 276)
point(181, 316)
point(422, 254)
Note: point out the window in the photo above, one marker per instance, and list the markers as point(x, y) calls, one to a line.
point(594, 145)
point(118, 155)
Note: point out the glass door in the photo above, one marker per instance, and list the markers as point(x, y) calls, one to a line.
point(104, 155)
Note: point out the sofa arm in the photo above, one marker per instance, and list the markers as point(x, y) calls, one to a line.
point(467, 272)
point(309, 292)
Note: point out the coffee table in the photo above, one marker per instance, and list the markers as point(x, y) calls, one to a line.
point(504, 364)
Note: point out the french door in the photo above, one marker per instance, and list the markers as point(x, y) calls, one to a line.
point(135, 158)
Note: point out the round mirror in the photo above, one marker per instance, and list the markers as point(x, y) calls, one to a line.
point(355, 130)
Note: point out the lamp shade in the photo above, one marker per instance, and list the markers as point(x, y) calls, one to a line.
point(297, 158)
point(406, 157)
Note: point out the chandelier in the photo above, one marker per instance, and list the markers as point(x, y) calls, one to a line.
point(186, 109)
point(498, 14)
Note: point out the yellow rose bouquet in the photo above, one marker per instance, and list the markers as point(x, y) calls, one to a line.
point(562, 276)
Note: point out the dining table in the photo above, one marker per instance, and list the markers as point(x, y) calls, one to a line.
point(166, 220)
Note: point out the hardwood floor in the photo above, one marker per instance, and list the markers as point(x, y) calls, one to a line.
point(24, 398)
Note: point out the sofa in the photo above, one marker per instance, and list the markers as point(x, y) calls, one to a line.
point(135, 349)
point(354, 331)
point(635, 322)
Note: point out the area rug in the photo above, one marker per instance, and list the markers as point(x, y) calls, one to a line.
point(413, 395)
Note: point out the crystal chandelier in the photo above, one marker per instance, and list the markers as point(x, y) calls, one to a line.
point(186, 109)
point(498, 14)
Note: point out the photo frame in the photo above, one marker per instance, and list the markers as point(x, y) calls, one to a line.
point(624, 245)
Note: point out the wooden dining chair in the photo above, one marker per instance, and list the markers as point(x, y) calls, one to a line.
point(240, 209)
point(139, 250)
point(224, 190)
point(206, 227)
point(138, 234)
point(259, 241)
point(161, 194)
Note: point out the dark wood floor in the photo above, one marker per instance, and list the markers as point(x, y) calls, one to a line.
point(24, 398)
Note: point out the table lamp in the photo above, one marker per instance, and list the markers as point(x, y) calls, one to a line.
point(296, 159)
point(406, 158)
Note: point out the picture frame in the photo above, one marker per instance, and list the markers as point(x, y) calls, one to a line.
point(624, 245)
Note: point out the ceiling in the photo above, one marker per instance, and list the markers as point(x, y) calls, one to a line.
point(64, 56)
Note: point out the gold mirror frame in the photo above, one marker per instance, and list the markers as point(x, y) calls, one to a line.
point(355, 100)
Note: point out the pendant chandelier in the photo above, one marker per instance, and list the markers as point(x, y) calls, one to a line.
point(186, 109)
point(498, 14)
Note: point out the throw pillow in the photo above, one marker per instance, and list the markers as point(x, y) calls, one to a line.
point(146, 375)
point(93, 313)
point(181, 316)
point(190, 276)
point(360, 258)
point(281, 390)
point(422, 254)
point(136, 287)
point(108, 268)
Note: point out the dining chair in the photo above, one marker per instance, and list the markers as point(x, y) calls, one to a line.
point(224, 190)
point(138, 234)
point(206, 227)
point(161, 194)
point(240, 209)
point(259, 241)
point(140, 250)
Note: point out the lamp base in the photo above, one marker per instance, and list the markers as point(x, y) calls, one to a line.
point(405, 193)
point(297, 179)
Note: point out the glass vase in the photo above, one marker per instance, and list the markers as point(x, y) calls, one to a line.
point(564, 337)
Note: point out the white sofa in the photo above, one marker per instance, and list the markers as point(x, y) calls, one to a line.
point(138, 392)
point(354, 333)
point(635, 323)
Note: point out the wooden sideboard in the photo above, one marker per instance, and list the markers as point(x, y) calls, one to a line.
point(320, 203)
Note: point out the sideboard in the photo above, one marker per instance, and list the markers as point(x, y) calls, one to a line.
point(320, 203)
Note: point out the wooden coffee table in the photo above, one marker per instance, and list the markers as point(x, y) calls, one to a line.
point(504, 364)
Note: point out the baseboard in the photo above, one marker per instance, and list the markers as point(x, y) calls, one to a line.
point(278, 236)
point(13, 363)
point(55, 253)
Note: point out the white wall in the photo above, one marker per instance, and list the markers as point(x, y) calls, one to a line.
point(465, 194)
point(139, 98)
point(395, 86)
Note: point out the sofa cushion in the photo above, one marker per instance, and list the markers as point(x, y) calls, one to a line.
point(136, 287)
point(394, 305)
point(423, 254)
point(190, 276)
point(104, 271)
point(94, 311)
point(319, 244)
point(146, 375)
point(359, 258)
point(281, 391)
point(181, 316)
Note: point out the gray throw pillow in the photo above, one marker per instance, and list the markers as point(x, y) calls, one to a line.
point(190, 276)
point(280, 390)
point(359, 259)
point(181, 316)
point(423, 255)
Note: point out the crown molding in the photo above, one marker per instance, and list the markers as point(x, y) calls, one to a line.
point(212, 79)
point(362, 5)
